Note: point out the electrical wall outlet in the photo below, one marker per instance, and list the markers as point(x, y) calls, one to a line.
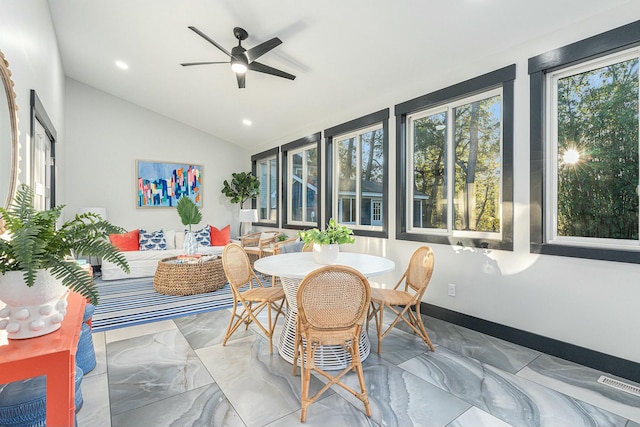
point(452, 290)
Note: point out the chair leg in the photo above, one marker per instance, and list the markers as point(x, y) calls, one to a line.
point(420, 325)
point(355, 357)
point(295, 352)
point(231, 329)
point(306, 378)
point(379, 326)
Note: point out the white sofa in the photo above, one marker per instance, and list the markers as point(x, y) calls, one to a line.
point(144, 263)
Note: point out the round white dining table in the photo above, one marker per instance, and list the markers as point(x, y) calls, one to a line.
point(291, 269)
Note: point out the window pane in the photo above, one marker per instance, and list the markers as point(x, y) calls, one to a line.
point(273, 188)
point(429, 171)
point(372, 174)
point(477, 140)
point(597, 116)
point(264, 189)
point(347, 170)
point(296, 196)
point(312, 184)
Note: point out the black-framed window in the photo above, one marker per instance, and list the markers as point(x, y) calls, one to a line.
point(585, 146)
point(301, 178)
point(357, 155)
point(455, 164)
point(43, 155)
point(265, 167)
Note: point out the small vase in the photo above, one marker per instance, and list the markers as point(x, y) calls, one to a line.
point(190, 243)
point(325, 254)
point(31, 311)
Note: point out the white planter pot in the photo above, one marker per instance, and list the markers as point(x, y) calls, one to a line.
point(325, 254)
point(31, 311)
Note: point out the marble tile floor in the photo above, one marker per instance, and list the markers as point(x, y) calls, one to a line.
point(176, 373)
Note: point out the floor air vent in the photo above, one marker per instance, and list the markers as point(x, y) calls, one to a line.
point(619, 385)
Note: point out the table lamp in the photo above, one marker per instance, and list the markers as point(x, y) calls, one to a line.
point(247, 216)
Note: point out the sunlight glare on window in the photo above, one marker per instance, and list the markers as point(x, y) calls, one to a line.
point(571, 156)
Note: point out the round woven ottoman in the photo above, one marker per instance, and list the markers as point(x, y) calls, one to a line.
point(175, 276)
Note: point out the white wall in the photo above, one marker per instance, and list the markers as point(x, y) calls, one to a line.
point(28, 42)
point(593, 304)
point(106, 135)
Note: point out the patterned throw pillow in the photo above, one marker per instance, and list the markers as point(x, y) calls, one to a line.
point(152, 240)
point(203, 237)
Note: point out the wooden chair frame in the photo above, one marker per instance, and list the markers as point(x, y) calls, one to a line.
point(416, 279)
point(240, 275)
point(310, 337)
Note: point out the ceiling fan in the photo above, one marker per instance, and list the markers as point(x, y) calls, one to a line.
point(243, 59)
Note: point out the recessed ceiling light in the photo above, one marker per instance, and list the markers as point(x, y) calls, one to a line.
point(246, 122)
point(122, 65)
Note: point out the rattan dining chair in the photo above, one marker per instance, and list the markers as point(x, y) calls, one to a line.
point(416, 278)
point(332, 308)
point(238, 270)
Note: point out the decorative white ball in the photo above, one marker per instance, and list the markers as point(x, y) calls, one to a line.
point(13, 327)
point(5, 312)
point(22, 314)
point(36, 325)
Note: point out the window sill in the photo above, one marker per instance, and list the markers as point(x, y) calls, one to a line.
point(617, 255)
point(502, 245)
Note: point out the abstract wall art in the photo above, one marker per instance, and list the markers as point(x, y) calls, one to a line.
point(161, 184)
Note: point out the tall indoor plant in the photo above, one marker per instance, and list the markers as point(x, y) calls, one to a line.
point(189, 215)
point(243, 186)
point(325, 242)
point(36, 254)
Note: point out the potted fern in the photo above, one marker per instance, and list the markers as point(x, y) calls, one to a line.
point(37, 260)
point(326, 242)
point(189, 215)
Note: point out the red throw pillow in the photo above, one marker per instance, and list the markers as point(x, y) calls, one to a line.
point(126, 242)
point(220, 237)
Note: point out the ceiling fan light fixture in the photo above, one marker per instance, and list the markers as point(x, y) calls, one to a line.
point(238, 66)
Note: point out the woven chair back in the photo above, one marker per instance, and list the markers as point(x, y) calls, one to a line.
point(236, 265)
point(333, 297)
point(420, 269)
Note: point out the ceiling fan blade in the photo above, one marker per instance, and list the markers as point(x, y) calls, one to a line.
point(240, 77)
point(261, 68)
point(257, 51)
point(187, 64)
point(207, 38)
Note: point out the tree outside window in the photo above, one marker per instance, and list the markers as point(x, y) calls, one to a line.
point(469, 157)
point(594, 121)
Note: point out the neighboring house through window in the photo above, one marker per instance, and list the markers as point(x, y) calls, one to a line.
point(265, 168)
point(301, 178)
point(357, 174)
point(585, 148)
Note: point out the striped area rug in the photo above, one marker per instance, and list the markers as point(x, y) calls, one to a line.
point(129, 302)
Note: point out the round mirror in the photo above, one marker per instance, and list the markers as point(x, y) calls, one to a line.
point(8, 135)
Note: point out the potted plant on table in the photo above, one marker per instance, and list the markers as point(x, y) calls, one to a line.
point(325, 242)
point(189, 215)
point(36, 260)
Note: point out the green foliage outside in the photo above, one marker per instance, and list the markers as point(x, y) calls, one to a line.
point(477, 171)
point(333, 234)
point(598, 117)
point(189, 212)
point(36, 243)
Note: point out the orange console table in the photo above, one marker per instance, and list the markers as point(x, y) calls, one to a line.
point(52, 355)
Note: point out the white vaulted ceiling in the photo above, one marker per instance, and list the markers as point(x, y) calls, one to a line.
point(347, 55)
